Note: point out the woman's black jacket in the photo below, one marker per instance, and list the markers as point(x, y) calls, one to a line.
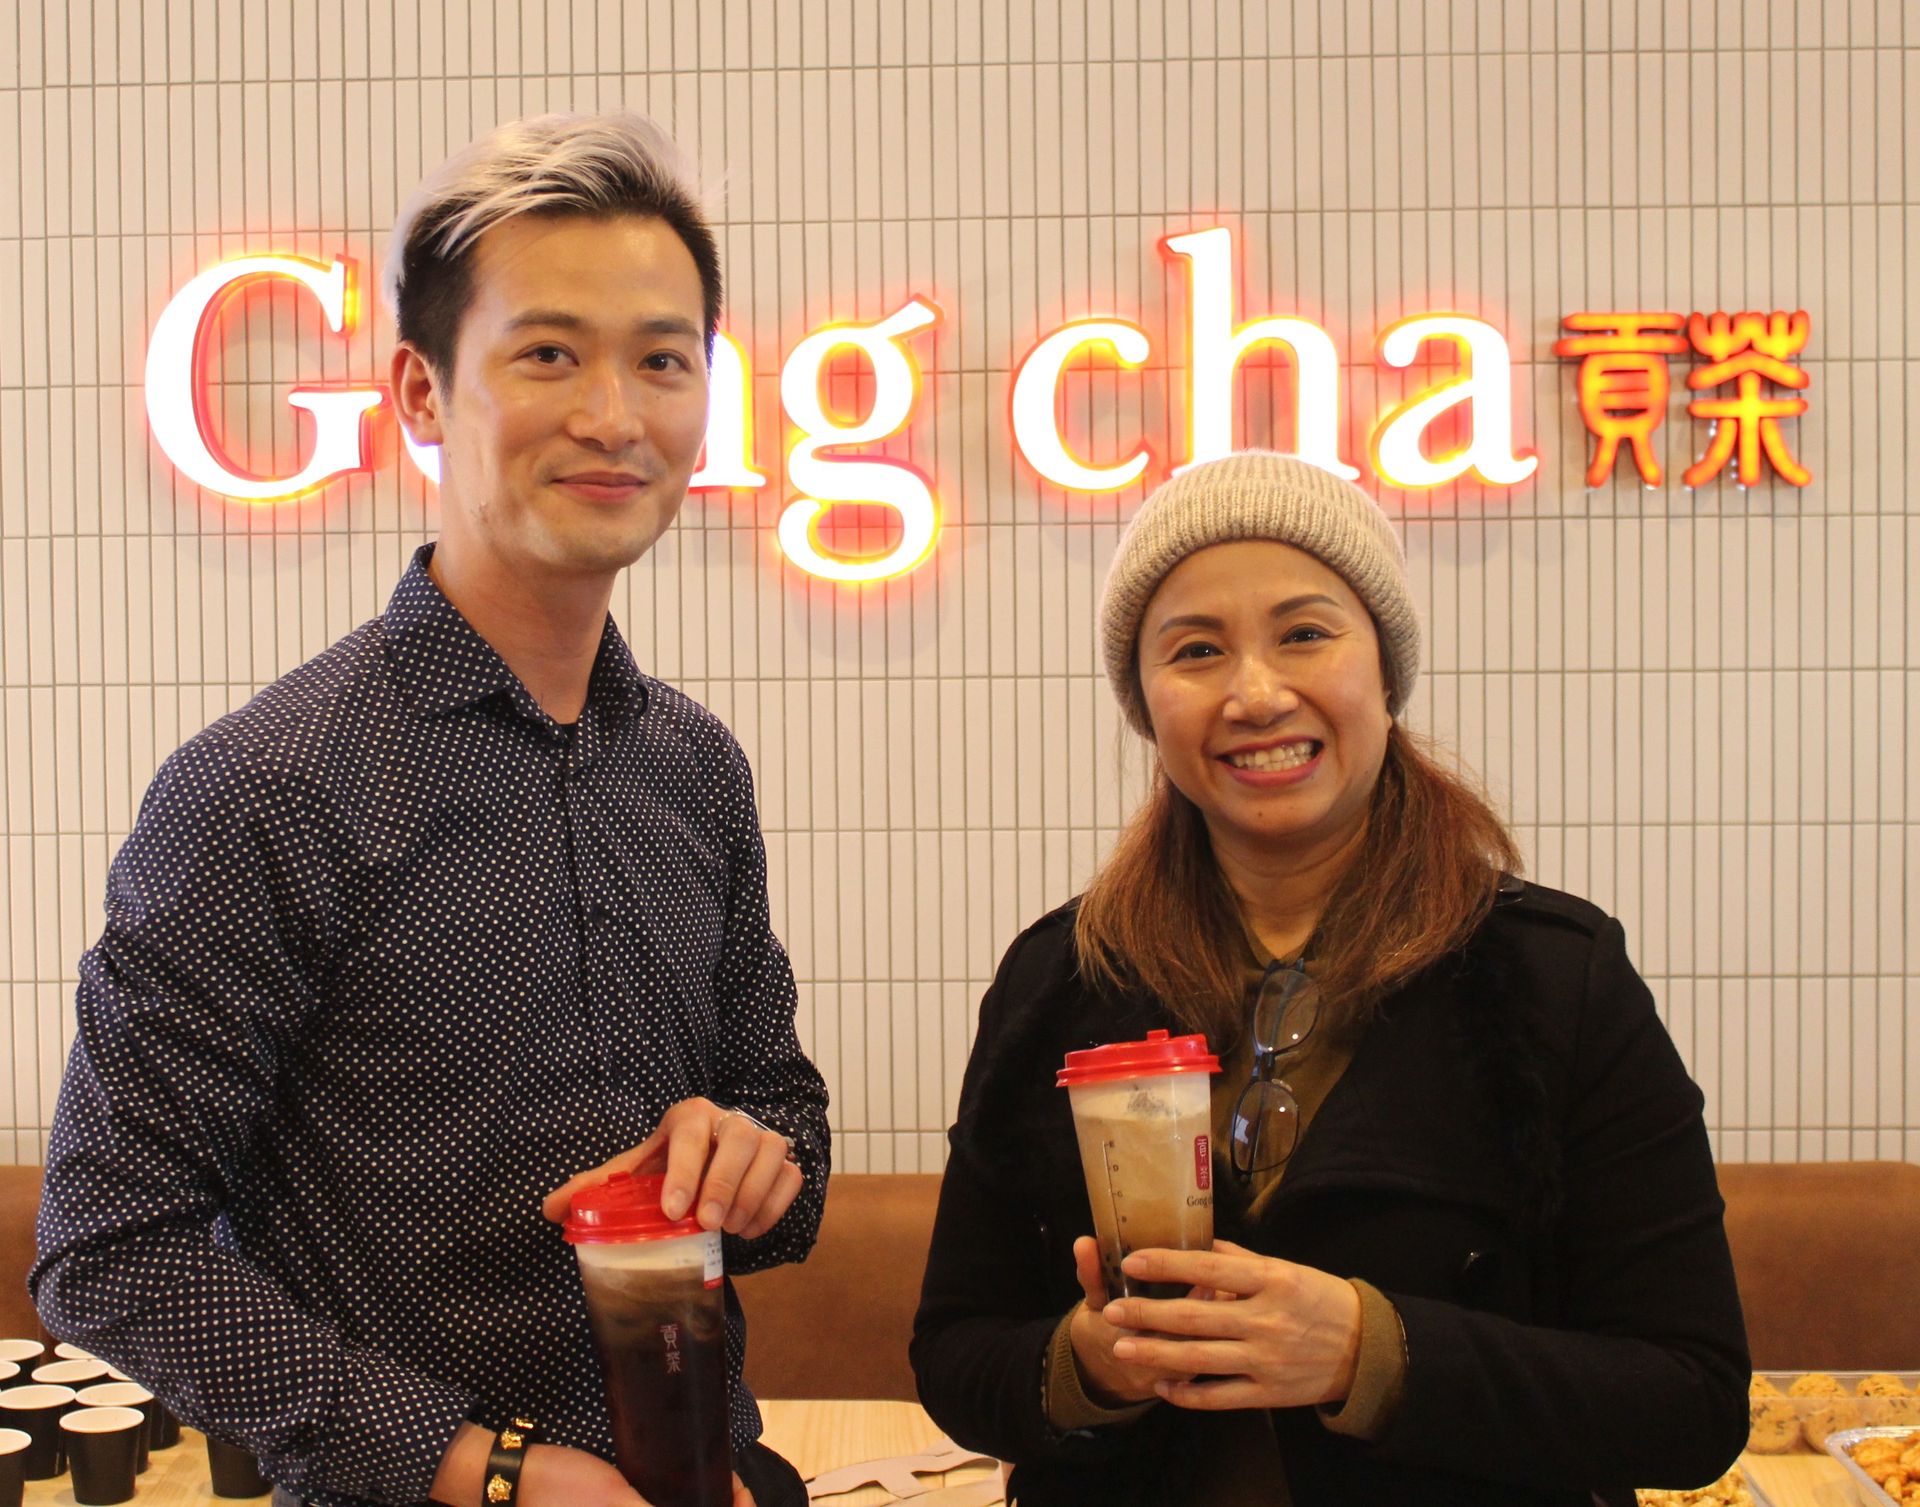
point(1516, 1157)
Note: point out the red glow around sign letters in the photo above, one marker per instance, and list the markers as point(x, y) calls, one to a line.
point(176, 381)
point(1622, 385)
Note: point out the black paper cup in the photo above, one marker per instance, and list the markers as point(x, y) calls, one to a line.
point(164, 1429)
point(235, 1472)
point(103, 1451)
point(70, 1373)
point(64, 1351)
point(9, 1370)
point(22, 1353)
point(36, 1411)
point(125, 1394)
point(13, 1465)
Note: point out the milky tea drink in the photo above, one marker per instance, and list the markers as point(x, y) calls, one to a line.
point(658, 1313)
point(1140, 1111)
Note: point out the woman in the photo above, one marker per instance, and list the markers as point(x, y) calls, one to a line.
point(1471, 1245)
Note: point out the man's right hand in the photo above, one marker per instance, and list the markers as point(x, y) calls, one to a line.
point(551, 1476)
point(1106, 1380)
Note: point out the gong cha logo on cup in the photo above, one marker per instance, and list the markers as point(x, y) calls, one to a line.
point(1479, 388)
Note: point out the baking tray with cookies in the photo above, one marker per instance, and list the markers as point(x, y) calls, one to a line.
point(1795, 1413)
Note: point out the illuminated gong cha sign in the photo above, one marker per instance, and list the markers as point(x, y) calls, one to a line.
point(1621, 380)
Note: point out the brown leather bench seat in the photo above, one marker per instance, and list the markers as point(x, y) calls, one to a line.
point(1828, 1255)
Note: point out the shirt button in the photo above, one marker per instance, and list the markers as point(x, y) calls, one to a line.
point(596, 915)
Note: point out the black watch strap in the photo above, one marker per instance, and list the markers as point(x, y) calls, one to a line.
point(509, 1453)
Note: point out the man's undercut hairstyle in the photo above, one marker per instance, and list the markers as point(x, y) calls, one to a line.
point(602, 166)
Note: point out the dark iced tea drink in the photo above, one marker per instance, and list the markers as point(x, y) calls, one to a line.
point(658, 1313)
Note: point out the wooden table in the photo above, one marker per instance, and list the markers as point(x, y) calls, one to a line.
point(815, 1436)
point(820, 1436)
point(1799, 1480)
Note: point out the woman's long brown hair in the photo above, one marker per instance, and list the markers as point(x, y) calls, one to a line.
point(1159, 915)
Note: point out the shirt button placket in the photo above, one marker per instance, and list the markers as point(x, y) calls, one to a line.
point(591, 910)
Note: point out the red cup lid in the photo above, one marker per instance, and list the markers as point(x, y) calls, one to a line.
point(1159, 1053)
point(623, 1209)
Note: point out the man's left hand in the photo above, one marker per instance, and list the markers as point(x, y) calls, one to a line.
point(734, 1175)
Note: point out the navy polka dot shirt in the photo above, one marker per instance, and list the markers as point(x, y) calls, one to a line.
point(389, 956)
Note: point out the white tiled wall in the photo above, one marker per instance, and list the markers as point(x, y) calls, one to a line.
point(1702, 709)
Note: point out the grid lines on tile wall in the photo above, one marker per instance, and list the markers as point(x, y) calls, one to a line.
point(1699, 708)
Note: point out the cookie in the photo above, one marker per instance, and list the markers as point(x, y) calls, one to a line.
point(1830, 1419)
point(1775, 1426)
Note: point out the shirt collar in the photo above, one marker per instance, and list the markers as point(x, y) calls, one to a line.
point(442, 664)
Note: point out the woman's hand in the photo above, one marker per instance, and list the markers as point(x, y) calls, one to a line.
point(1107, 1380)
point(1274, 1335)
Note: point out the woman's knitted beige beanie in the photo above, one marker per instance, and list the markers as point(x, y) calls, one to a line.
point(1256, 494)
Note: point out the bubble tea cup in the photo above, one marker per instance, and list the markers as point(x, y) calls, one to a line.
point(657, 1308)
point(1141, 1115)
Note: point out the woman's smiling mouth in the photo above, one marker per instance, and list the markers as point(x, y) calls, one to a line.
point(1294, 754)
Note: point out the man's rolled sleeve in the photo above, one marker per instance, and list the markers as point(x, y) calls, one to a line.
point(766, 1072)
point(388, 1435)
point(185, 1005)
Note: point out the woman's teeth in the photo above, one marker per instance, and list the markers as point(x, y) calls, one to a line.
point(1286, 756)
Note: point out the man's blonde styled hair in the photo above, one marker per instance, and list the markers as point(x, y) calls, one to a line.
point(600, 166)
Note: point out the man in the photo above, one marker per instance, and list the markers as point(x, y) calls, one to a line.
point(463, 905)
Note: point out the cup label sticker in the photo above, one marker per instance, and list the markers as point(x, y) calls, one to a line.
point(1203, 1161)
point(713, 1265)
